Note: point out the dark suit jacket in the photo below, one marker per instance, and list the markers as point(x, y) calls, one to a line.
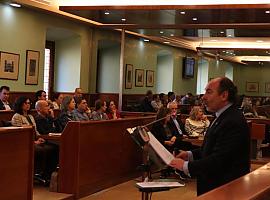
point(173, 128)
point(2, 107)
point(224, 155)
point(46, 125)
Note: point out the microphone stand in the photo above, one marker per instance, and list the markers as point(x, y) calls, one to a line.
point(142, 138)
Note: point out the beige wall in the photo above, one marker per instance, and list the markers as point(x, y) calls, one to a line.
point(23, 29)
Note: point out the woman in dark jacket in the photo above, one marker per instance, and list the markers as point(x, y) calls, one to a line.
point(161, 131)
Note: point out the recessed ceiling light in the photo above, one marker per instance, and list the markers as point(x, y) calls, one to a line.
point(166, 42)
point(221, 32)
point(182, 12)
point(229, 35)
point(221, 59)
point(172, 35)
point(259, 41)
point(267, 11)
point(194, 18)
point(161, 32)
point(106, 13)
point(223, 51)
point(123, 19)
point(145, 40)
point(15, 5)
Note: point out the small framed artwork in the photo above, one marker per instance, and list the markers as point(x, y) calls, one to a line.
point(9, 65)
point(32, 67)
point(252, 87)
point(139, 77)
point(267, 87)
point(149, 78)
point(128, 76)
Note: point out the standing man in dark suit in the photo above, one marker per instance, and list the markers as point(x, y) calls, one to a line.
point(224, 155)
point(4, 96)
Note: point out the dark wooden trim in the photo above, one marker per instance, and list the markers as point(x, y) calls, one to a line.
point(166, 7)
point(189, 26)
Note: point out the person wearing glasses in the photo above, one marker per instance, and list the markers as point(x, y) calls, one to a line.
point(45, 160)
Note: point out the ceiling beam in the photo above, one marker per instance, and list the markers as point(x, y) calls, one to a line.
point(166, 7)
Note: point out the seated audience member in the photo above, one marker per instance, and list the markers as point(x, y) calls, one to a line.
point(156, 103)
point(171, 96)
point(77, 94)
point(67, 112)
point(197, 123)
point(246, 105)
point(177, 127)
point(45, 121)
point(45, 154)
point(4, 96)
point(39, 95)
point(100, 109)
point(178, 100)
point(82, 112)
point(187, 99)
point(57, 100)
point(22, 116)
point(112, 111)
point(163, 99)
point(175, 124)
point(161, 130)
point(146, 103)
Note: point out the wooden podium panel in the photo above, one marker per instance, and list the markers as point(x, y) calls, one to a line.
point(16, 168)
point(255, 186)
point(95, 155)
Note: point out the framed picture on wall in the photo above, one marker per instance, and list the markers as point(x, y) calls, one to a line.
point(139, 77)
point(128, 76)
point(252, 87)
point(267, 87)
point(32, 67)
point(9, 65)
point(149, 78)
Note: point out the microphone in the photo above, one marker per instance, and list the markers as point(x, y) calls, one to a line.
point(157, 120)
point(139, 133)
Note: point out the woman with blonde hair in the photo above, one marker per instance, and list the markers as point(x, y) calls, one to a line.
point(197, 123)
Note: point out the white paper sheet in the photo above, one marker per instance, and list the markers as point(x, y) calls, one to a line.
point(162, 152)
point(159, 184)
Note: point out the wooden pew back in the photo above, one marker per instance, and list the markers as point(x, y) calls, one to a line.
point(16, 156)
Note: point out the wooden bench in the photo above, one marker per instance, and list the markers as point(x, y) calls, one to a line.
point(16, 156)
point(95, 155)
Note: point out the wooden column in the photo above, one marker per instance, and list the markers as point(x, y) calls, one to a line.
point(121, 71)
